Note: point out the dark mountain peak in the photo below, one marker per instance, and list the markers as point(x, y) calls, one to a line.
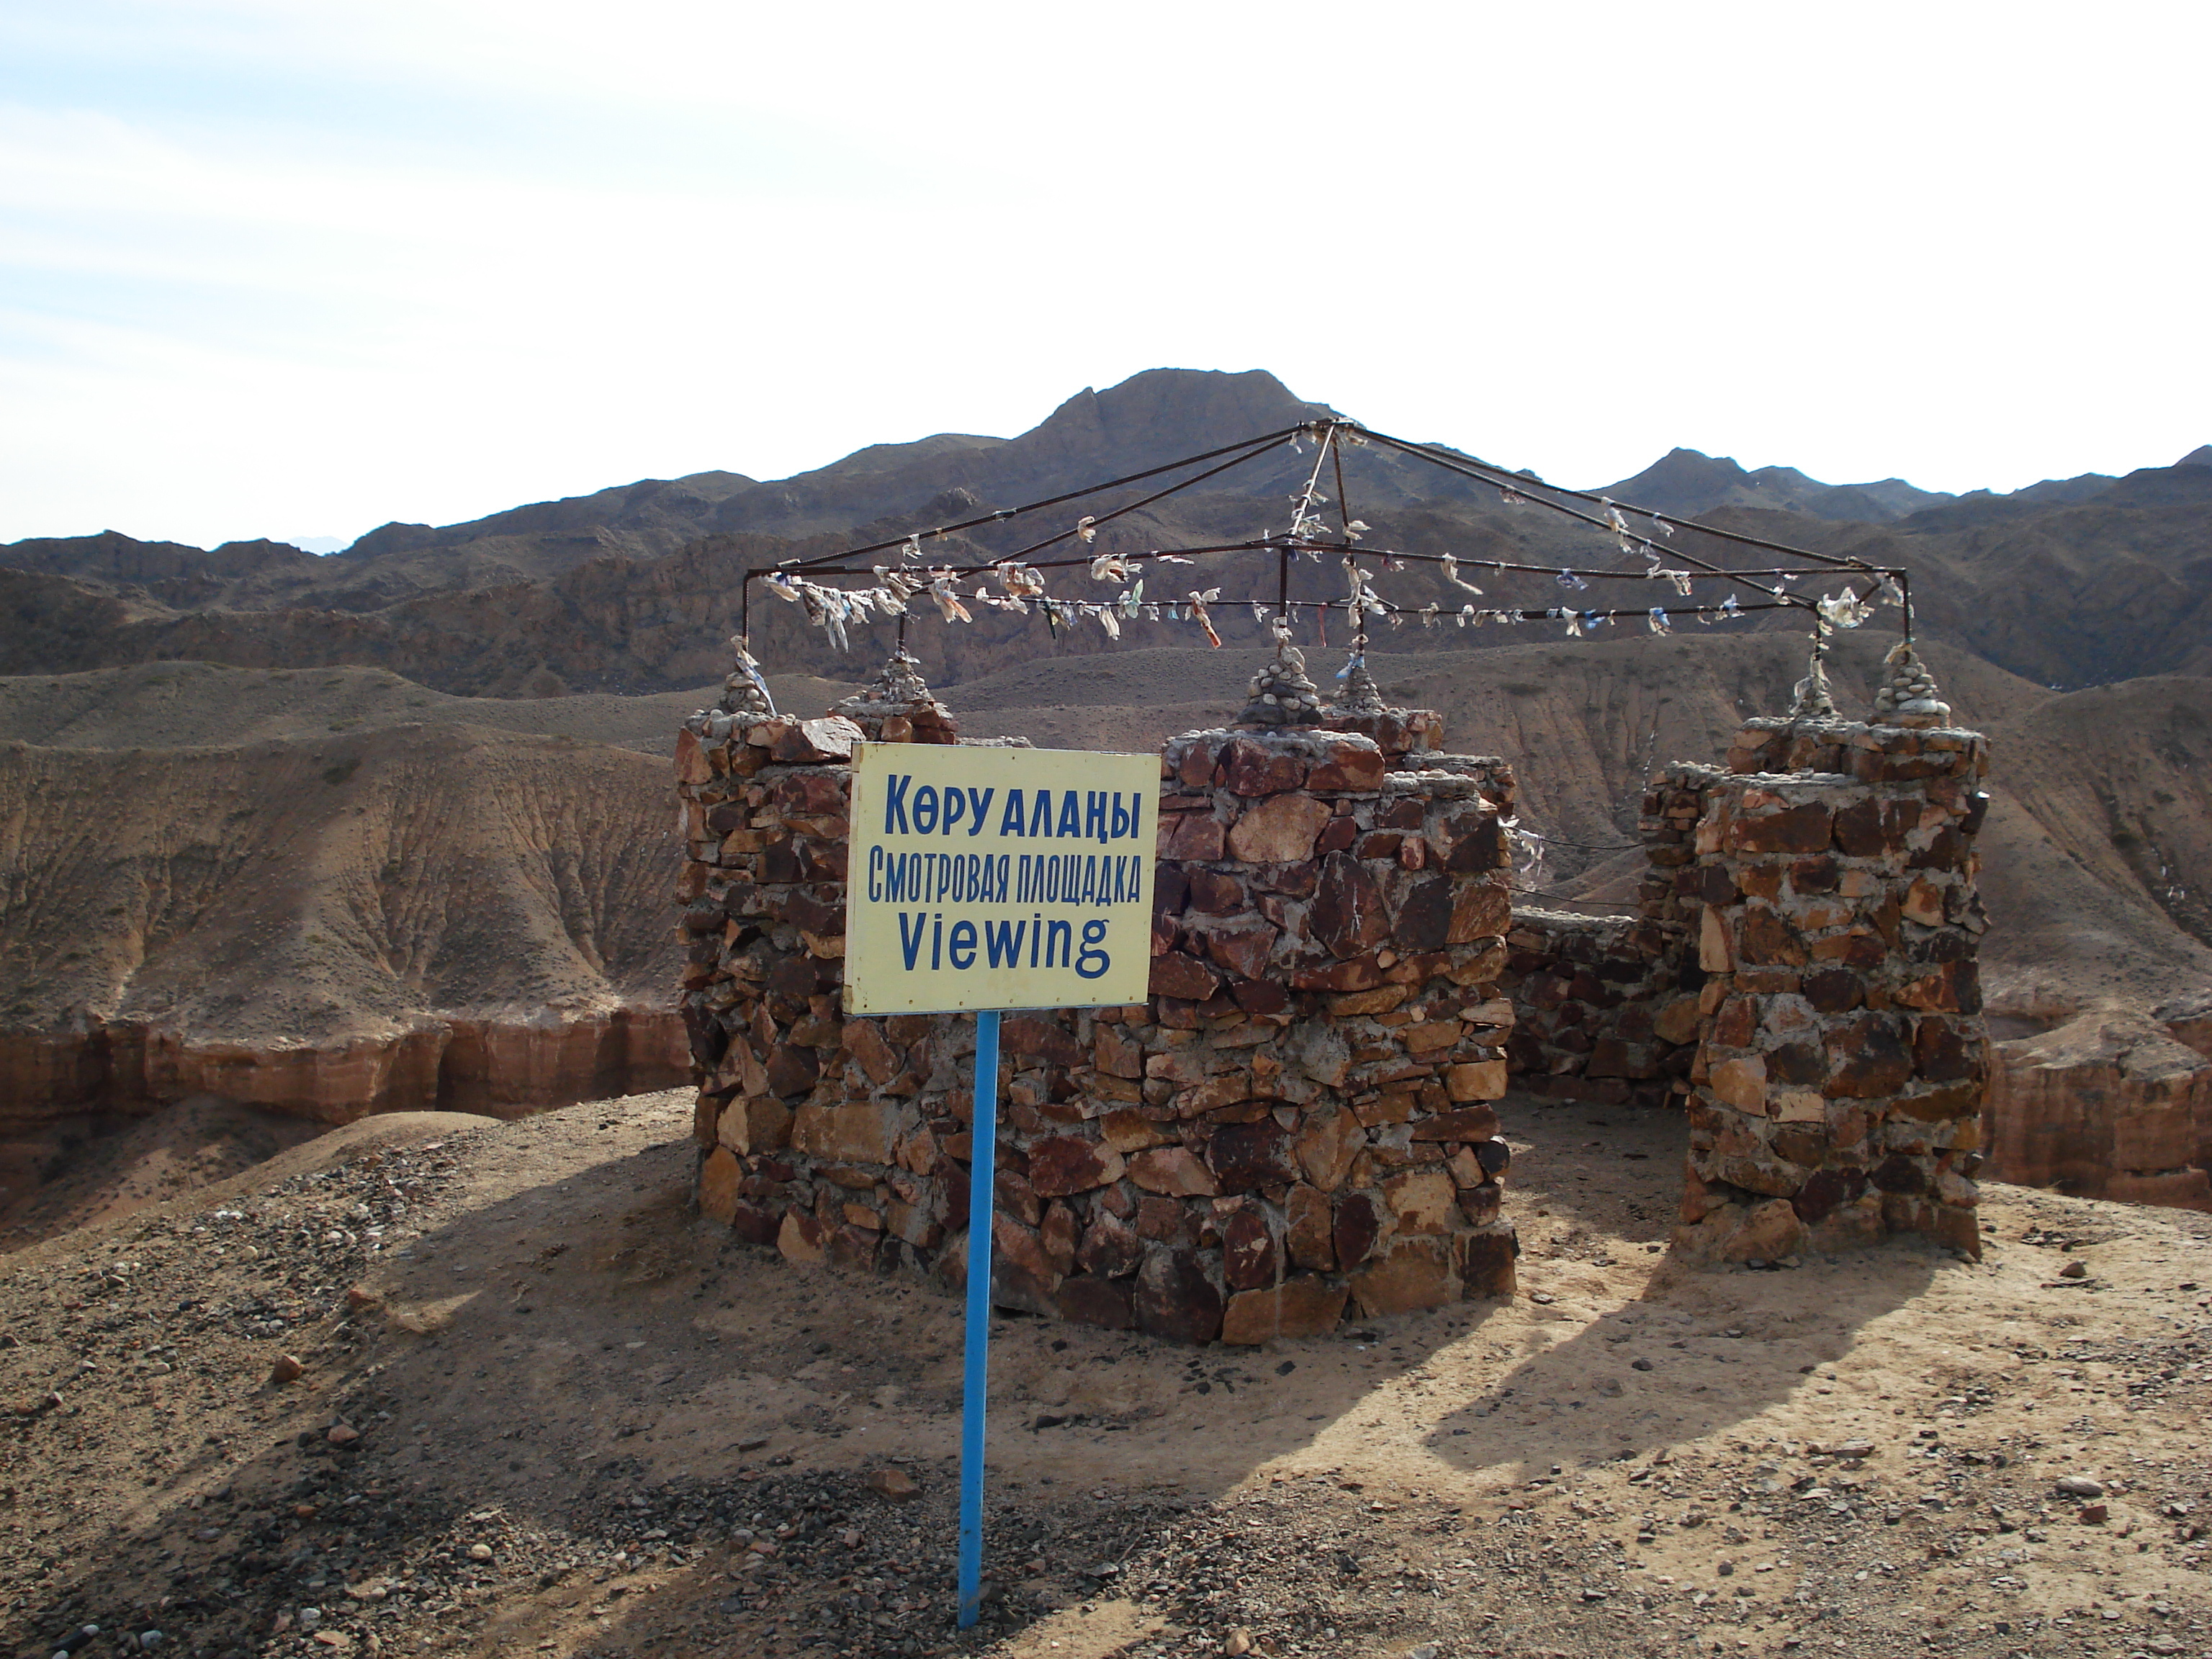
point(1688, 482)
point(2200, 456)
point(112, 556)
point(1164, 412)
point(394, 537)
point(1684, 480)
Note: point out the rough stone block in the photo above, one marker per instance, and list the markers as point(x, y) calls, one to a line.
point(1063, 1164)
point(1412, 1274)
point(1252, 767)
point(801, 1239)
point(1244, 1157)
point(1280, 830)
point(1183, 977)
point(1173, 1171)
point(1177, 1298)
point(1250, 1254)
point(1348, 914)
point(1470, 1123)
point(1361, 1223)
point(1422, 1201)
point(755, 1123)
point(864, 1133)
point(1476, 1079)
point(1101, 1302)
point(1197, 836)
point(719, 1175)
point(1304, 1306)
point(1485, 1260)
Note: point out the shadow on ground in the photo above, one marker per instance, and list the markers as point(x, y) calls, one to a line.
point(587, 1423)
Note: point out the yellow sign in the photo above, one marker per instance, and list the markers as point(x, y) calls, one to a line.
point(998, 878)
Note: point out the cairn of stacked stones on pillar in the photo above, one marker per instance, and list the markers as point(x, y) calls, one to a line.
point(1296, 1127)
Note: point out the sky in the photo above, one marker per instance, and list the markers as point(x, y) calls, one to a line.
point(296, 268)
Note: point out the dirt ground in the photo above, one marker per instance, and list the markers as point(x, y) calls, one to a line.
point(543, 1411)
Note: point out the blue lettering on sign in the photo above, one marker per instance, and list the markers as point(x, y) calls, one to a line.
point(912, 882)
point(1002, 943)
point(1094, 935)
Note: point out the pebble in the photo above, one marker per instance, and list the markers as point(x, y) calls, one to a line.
point(2080, 1486)
point(2074, 1270)
point(343, 1434)
point(894, 1483)
point(286, 1370)
point(479, 1552)
point(1844, 1449)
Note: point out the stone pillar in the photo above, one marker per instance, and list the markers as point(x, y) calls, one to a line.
point(1297, 1124)
point(1837, 1093)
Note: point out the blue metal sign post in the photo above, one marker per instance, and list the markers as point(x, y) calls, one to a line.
point(984, 879)
point(975, 1367)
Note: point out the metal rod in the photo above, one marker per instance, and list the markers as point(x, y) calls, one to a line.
point(1521, 483)
point(975, 1365)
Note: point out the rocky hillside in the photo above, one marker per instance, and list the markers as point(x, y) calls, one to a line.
point(2076, 582)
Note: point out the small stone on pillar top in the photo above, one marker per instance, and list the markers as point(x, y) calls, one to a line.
point(1908, 695)
point(1281, 693)
point(1814, 699)
point(1361, 694)
point(898, 706)
point(745, 693)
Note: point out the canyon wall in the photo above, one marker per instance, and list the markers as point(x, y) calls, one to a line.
point(494, 1067)
point(2110, 1104)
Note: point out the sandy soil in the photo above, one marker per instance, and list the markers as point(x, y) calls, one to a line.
point(588, 1426)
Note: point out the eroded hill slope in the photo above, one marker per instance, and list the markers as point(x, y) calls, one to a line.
point(419, 914)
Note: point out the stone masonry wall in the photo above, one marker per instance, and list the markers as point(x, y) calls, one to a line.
point(1828, 875)
point(1605, 1008)
point(1296, 1123)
